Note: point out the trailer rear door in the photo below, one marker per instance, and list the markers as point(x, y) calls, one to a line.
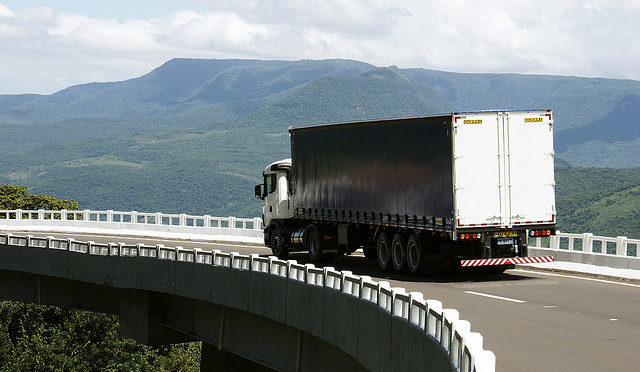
point(530, 167)
point(503, 168)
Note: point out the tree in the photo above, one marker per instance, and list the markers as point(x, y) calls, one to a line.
point(47, 338)
point(17, 197)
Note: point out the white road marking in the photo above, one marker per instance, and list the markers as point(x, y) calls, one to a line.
point(613, 319)
point(496, 297)
point(550, 306)
point(579, 277)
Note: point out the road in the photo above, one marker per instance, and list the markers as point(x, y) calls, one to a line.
point(532, 321)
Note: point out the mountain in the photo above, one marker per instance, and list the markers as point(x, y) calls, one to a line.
point(613, 140)
point(177, 87)
point(181, 93)
point(192, 136)
point(211, 168)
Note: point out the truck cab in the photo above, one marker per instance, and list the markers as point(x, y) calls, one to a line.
point(275, 192)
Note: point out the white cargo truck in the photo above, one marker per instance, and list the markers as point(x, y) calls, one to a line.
point(417, 194)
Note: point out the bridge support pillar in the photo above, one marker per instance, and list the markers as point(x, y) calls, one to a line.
point(142, 316)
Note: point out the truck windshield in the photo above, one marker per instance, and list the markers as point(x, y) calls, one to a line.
point(270, 183)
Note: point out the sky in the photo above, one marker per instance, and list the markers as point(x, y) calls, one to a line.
point(48, 45)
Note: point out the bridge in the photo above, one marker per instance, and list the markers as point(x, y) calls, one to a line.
point(274, 314)
point(251, 309)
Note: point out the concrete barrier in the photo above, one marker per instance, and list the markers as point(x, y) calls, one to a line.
point(619, 252)
point(174, 226)
point(368, 325)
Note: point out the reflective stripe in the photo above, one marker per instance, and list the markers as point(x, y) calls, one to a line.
point(506, 261)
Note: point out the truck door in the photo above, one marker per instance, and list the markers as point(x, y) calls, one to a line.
point(530, 167)
point(478, 169)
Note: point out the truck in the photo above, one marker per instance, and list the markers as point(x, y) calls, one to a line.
point(416, 194)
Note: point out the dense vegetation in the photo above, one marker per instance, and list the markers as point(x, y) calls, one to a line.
point(603, 201)
point(47, 338)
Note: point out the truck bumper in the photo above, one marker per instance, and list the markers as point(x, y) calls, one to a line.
point(505, 261)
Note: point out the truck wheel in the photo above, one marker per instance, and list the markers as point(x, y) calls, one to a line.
point(399, 253)
point(313, 243)
point(383, 249)
point(278, 249)
point(414, 254)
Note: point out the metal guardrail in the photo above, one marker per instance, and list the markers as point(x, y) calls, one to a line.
point(589, 243)
point(619, 252)
point(134, 217)
point(463, 347)
point(135, 223)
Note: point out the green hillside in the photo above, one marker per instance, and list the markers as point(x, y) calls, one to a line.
point(211, 169)
point(602, 201)
point(193, 136)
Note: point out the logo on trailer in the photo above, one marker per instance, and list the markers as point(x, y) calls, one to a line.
point(474, 121)
point(533, 120)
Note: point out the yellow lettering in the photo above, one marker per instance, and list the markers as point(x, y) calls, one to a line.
point(477, 121)
point(533, 120)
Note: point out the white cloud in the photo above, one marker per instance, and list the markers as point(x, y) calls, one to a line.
point(5, 12)
point(44, 50)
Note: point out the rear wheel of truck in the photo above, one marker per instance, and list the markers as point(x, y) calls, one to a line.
point(414, 254)
point(313, 243)
point(275, 241)
point(399, 253)
point(383, 250)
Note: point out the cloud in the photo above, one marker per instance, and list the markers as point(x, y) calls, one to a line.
point(44, 50)
point(5, 12)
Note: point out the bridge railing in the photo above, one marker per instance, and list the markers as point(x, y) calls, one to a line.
point(419, 333)
point(618, 252)
point(134, 223)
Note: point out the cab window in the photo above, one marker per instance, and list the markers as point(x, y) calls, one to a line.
point(270, 183)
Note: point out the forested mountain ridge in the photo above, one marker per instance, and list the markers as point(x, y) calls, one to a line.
point(193, 136)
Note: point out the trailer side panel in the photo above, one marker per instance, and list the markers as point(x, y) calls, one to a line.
point(394, 171)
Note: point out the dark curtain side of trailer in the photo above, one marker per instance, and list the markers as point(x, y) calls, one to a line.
point(390, 171)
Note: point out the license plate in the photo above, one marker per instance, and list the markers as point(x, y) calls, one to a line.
point(505, 234)
point(505, 241)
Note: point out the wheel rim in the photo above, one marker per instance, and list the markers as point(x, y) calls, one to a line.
point(397, 254)
point(383, 253)
point(413, 256)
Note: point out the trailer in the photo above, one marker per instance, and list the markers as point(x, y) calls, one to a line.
point(417, 194)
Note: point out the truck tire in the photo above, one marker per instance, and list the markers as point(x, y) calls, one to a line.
point(399, 253)
point(312, 242)
point(275, 241)
point(414, 254)
point(383, 250)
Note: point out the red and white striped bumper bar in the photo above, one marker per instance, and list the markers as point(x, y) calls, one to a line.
point(506, 261)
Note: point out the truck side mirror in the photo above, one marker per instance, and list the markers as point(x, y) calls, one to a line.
point(258, 191)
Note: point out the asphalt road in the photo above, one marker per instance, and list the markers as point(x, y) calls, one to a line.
point(532, 321)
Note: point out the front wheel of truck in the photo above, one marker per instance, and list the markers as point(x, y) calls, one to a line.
point(277, 247)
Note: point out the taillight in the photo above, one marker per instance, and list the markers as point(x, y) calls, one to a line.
point(540, 233)
point(476, 236)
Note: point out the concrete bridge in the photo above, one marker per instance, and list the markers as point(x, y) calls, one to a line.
point(250, 311)
point(532, 320)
